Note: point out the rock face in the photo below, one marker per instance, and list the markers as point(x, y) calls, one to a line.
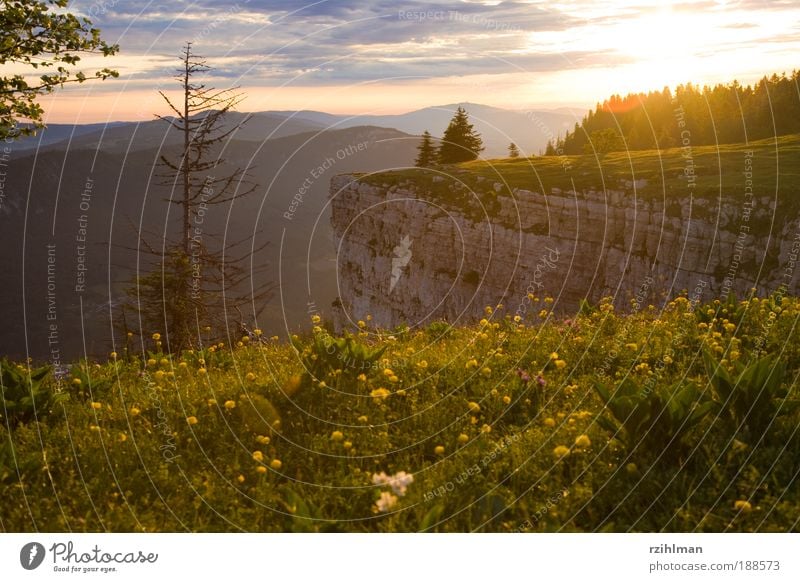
point(406, 257)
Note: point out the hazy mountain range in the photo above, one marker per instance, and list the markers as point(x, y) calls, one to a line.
point(99, 182)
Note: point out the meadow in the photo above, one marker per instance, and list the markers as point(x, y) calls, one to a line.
point(676, 419)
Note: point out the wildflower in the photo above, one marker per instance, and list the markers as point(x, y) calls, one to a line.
point(230, 404)
point(506, 400)
point(549, 422)
point(380, 394)
point(730, 327)
point(113, 355)
point(583, 441)
point(257, 332)
point(94, 428)
point(667, 360)
point(561, 451)
point(385, 502)
point(337, 435)
point(315, 319)
point(240, 478)
point(347, 445)
point(462, 438)
point(211, 402)
point(486, 371)
point(399, 482)
point(151, 362)
point(262, 440)
point(362, 324)
point(258, 456)
point(401, 392)
point(156, 336)
point(388, 372)
point(201, 371)
point(135, 411)
point(560, 364)
point(554, 355)
point(631, 468)
point(159, 375)
point(122, 437)
point(362, 378)
point(439, 450)
point(486, 429)
point(523, 375)
point(474, 407)
point(422, 364)
point(322, 384)
point(164, 362)
point(362, 418)
point(276, 464)
point(488, 310)
point(517, 319)
point(183, 365)
point(540, 380)
point(633, 347)
point(192, 420)
point(743, 506)
point(250, 377)
point(394, 379)
point(261, 469)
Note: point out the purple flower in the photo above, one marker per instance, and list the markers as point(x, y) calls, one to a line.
point(540, 380)
point(523, 375)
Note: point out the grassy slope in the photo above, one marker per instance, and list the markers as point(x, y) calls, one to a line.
point(719, 169)
point(193, 448)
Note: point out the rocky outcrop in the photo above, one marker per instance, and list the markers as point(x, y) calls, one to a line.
point(406, 256)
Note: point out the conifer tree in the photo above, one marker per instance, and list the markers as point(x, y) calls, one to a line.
point(427, 152)
point(461, 143)
point(513, 150)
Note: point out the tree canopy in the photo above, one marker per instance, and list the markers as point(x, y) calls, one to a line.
point(427, 153)
point(724, 113)
point(39, 36)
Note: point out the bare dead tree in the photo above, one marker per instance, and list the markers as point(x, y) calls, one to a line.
point(198, 278)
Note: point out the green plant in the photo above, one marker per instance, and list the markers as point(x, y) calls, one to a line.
point(327, 354)
point(26, 393)
point(655, 420)
point(751, 393)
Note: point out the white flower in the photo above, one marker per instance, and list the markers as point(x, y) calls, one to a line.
point(400, 482)
point(385, 502)
point(380, 478)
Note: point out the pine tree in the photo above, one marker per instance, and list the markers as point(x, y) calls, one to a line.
point(427, 152)
point(461, 143)
point(513, 150)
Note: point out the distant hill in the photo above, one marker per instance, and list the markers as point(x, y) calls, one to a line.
point(530, 130)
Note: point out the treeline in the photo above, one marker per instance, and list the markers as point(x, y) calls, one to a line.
point(725, 113)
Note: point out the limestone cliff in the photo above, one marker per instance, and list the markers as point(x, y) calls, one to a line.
point(408, 254)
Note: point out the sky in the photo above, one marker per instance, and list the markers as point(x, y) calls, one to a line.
point(393, 56)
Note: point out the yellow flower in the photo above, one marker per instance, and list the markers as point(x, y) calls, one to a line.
point(201, 371)
point(258, 456)
point(257, 332)
point(97, 405)
point(583, 441)
point(380, 394)
point(394, 379)
point(517, 319)
point(159, 375)
point(315, 319)
point(362, 378)
point(192, 420)
point(730, 327)
point(743, 506)
point(211, 402)
point(362, 418)
point(561, 451)
point(486, 371)
point(261, 469)
point(632, 346)
point(667, 360)
point(94, 428)
point(276, 464)
point(336, 435)
point(486, 428)
point(156, 336)
point(388, 372)
point(631, 468)
point(122, 437)
point(322, 384)
point(488, 310)
point(506, 400)
point(560, 364)
point(113, 355)
point(439, 450)
point(135, 411)
point(230, 404)
point(474, 407)
point(549, 422)
point(362, 324)
point(240, 478)
point(422, 364)
point(554, 355)
point(462, 438)
point(347, 445)
point(473, 363)
point(250, 377)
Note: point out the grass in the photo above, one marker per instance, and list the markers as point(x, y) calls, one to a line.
point(503, 426)
point(719, 172)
